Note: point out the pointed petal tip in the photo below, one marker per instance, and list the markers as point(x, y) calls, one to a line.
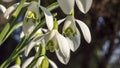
point(85, 30)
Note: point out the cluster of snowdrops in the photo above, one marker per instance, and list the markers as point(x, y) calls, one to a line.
point(36, 35)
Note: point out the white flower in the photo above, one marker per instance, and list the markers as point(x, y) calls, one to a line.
point(58, 43)
point(15, 66)
point(72, 33)
point(68, 5)
point(38, 63)
point(35, 42)
point(32, 16)
point(2, 8)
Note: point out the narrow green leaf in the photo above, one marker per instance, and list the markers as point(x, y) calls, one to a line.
point(4, 32)
point(8, 29)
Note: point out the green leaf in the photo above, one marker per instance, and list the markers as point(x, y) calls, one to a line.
point(45, 63)
point(7, 31)
point(9, 28)
point(4, 32)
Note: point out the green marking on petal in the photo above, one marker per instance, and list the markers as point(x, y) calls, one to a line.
point(69, 31)
point(31, 15)
point(50, 46)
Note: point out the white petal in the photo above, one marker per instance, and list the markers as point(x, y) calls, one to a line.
point(84, 5)
point(2, 8)
point(27, 62)
point(34, 7)
point(29, 47)
point(61, 57)
point(70, 22)
point(66, 5)
point(71, 44)
point(7, 0)
point(60, 21)
point(39, 62)
point(12, 8)
point(76, 41)
point(85, 30)
point(15, 66)
point(63, 48)
point(48, 17)
point(52, 64)
point(22, 34)
point(28, 27)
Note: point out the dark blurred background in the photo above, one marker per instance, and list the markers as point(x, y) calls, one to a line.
point(103, 20)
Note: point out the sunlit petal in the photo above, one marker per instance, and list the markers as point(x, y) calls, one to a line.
point(39, 61)
point(48, 17)
point(85, 30)
point(29, 47)
point(69, 22)
point(61, 57)
point(66, 5)
point(84, 5)
point(28, 27)
point(76, 40)
point(52, 64)
point(15, 66)
point(71, 44)
point(60, 21)
point(2, 8)
point(63, 48)
point(27, 62)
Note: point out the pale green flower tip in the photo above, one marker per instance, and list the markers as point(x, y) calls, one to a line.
point(55, 27)
point(45, 63)
point(18, 61)
point(43, 50)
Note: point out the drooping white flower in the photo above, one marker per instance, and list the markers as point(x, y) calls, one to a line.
point(58, 43)
point(32, 16)
point(15, 66)
point(72, 33)
point(68, 5)
point(35, 42)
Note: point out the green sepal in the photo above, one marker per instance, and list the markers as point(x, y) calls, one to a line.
point(45, 63)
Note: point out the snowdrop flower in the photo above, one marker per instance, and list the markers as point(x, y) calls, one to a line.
point(15, 66)
point(35, 42)
point(58, 43)
point(39, 62)
point(2, 8)
point(72, 33)
point(68, 5)
point(32, 16)
point(31, 19)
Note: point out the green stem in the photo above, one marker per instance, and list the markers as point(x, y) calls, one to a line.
point(5, 33)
